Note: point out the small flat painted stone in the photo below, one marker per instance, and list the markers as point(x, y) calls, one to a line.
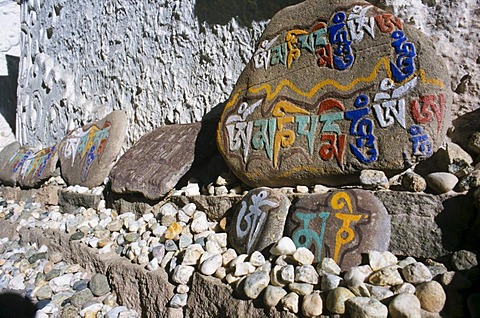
point(155, 164)
point(340, 225)
point(335, 87)
point(7, 177)
point(25, 166)
point(88, 153)
point(259, 220)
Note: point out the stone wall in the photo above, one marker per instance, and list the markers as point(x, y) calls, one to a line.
point(173, 61)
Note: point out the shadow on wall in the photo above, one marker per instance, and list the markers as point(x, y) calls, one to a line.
point(13, 305)
point(246, 11)
point(8, 91)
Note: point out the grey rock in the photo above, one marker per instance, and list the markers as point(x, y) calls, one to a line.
point(405, 305)
point(379, 292)
point(82, 297)
point(36, 257)
point(388, 276)
point(114, 312)
point(80, 285)
point(312, 305)
point(357, 275)
point(379, 260)
point(373, 180)
point(330, 282)
point(328, 266)
point(471, 181)
point(255, 283)
point(414, 182)
point(284, 246)
point(179, 300)
point(99, 285)
point(273, 295)
point(416, 273)
point(404, 288)
point(363, 307)
point(336, 299)
point(290, 302)
point(71, 201)
point(182, 274)
point(463, 260)
point(211, 264)
point(44, 292)
point(441, 182)
point(301, 289)
point(306, 274)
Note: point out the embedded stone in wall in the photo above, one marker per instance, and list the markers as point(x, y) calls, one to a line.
point(340, 225)
point(335, 87)
point(155, 164)
point(259, 220)
point(88, 153)
point(27, 167)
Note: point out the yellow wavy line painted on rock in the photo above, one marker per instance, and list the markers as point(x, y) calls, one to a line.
point(287, 83)
point(373, 75)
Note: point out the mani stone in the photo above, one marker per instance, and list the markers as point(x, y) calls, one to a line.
point(25, 166)
point(88, 153)
point(335, 87)
point(155, 164)
point(341, 225)
point(258, 220)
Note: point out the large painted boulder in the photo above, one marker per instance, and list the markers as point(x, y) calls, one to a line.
point(335, 87)
point(341, 225)
point(25, 166)
point(88, 153)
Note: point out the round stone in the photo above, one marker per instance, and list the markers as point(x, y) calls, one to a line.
point(363, 307)
point(284, 246)
point(210, 265)
point(405, 305)
point(99, 285)
point(431, 295)
point(416, 273)
point(301, 289)
point(336, 299)
point(312, 305)
point(255, 283)
point(303, 256)
point(272, 295)
point(81, 297)
point(441, 182)
point(290, 302)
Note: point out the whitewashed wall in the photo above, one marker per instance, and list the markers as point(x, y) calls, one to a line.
point(9, 45)
point(158, 62)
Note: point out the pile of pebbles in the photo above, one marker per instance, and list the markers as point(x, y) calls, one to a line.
point(55, 288)
point(183, 241)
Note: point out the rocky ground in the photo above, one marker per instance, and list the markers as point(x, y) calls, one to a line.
point(184, 243)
